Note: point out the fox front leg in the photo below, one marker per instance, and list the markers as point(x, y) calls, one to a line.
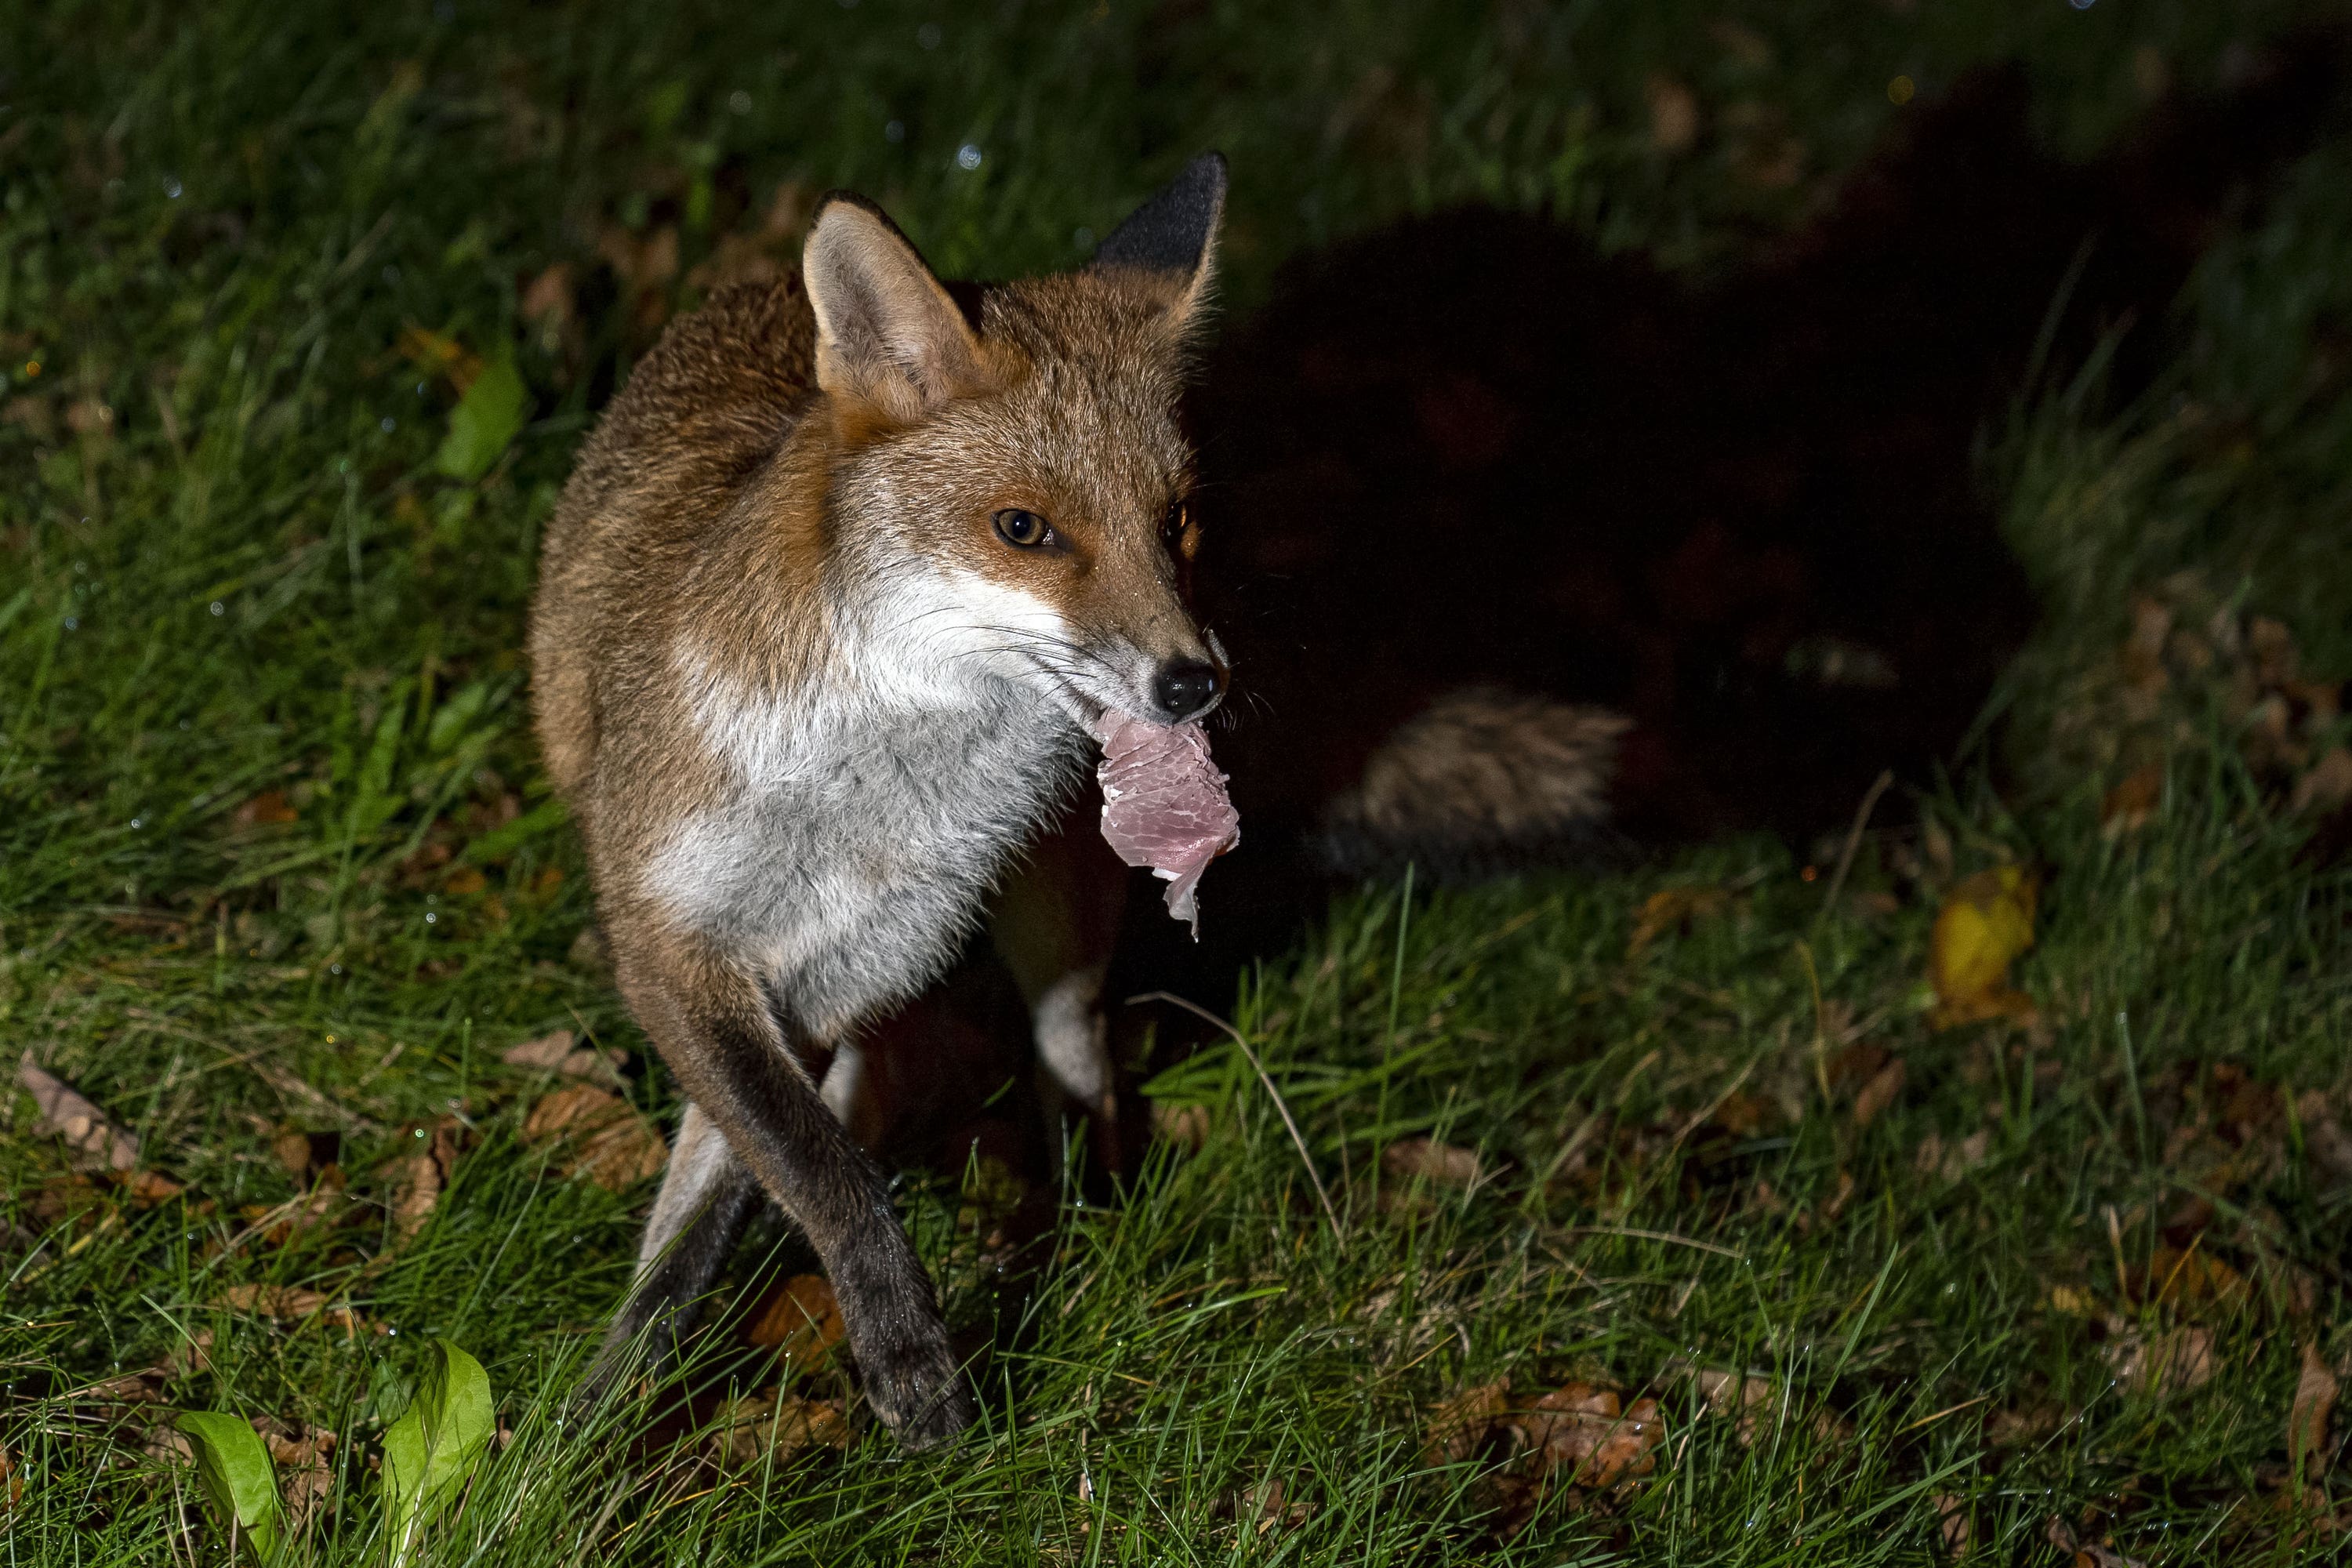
point(729, 1053)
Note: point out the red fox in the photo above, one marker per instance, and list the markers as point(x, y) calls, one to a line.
point(841, 582)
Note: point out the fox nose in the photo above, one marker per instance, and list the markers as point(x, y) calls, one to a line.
point(1184, 687)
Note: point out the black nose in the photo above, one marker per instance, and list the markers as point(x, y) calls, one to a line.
point(1185, 687)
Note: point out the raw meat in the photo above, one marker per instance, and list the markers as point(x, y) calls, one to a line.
point(1164, 804)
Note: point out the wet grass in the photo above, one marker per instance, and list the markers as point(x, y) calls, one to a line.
point(275, 850)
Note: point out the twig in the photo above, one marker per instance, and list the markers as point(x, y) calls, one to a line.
point(1259, 1067)
point(1854, 837)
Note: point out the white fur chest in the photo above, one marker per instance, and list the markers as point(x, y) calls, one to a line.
point(870, 817)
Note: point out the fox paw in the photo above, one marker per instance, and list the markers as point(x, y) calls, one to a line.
point(918, 1391)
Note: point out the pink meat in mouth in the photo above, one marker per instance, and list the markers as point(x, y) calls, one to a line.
point(1164, 804)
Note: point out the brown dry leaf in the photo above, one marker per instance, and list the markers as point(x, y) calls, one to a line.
point(2170, 1361)
point(2306, 1422)
point(168, 1445)
point(1587, 1437)
point(1673, 116)
point(561, 1053)
point(1952, 1162)
point(800, 1320)
point(2188, 1277)
point(2131, 804)
point(547, 299)
point(1879, 1093)
point(1985, 923)
point(1952, 1524)
point(1673, 908)
point(438, 354)
point(1458, 1426)
point(2017, 1427)
point(1745, 1395)
point(268, 808)
point(424, 1174)
point(2327, 785)
point(310, 1455)
point(613, 1145)
point(1185, 1126)
point(775, 1425)
point(65, 1114)
point(1444, 1165)
point(289, 1303)
point(293, 1151)
point(1268, 1504)
point(12, 1485)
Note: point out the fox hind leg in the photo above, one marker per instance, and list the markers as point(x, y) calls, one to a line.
point(707, 1195)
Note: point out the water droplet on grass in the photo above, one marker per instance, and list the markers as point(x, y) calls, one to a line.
point(968, 156)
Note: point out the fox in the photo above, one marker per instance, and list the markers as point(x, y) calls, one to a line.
point(840, 582)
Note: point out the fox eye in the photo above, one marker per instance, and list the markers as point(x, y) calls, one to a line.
point(1172, 526)
point(1024, 529)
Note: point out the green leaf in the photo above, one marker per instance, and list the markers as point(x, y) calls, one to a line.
point(232, 1466)
point(430, 1450)
point(486, 419)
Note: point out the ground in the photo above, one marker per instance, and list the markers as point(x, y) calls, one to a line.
point(2041, 1262)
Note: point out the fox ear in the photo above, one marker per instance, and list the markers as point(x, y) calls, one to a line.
point(885, 331)
point(1173, 234)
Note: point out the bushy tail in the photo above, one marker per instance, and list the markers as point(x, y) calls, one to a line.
point(1483, 783)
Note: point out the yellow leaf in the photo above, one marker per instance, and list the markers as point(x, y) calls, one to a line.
point(1981, 929)
point(1672, 909)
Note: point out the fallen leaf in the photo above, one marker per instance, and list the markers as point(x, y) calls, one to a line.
point(12, 1485)
point(1878, 1093)
point(308, 1455)
point(1185, 1126)
point(2017, 1427)
point(1458, 1426)
point(424, 1174)
point(65, 1114)
point(486, 421)
point(1984, 925)
point(293, 1151)
point(2131, 804)
point(2307, 1421)
point(1674, 115)
point(2170, 1361)
point(1744, 1394)
point(547, 300)
point(776, 1427)
point(1445, 1165)
point(559, 1053)
point(2073, 1300)
point(800, 1320)
point(614, 1146)
point(289, 1303)
point(2327, 785)
point(2189, 1277)
point(1673, 908)
point(1269, 1503)
point(168, 1445)
point(266, 809)
point(438, 354)
point(1590, 1434)
point(1952, 1524)
point(1934, 1159)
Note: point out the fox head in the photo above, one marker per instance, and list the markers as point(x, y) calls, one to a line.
point(1008, 490)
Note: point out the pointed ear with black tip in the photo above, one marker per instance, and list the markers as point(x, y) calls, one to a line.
point(887, 333)
point(1173, 234)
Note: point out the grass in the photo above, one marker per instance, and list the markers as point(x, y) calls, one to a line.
point(275, 850)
